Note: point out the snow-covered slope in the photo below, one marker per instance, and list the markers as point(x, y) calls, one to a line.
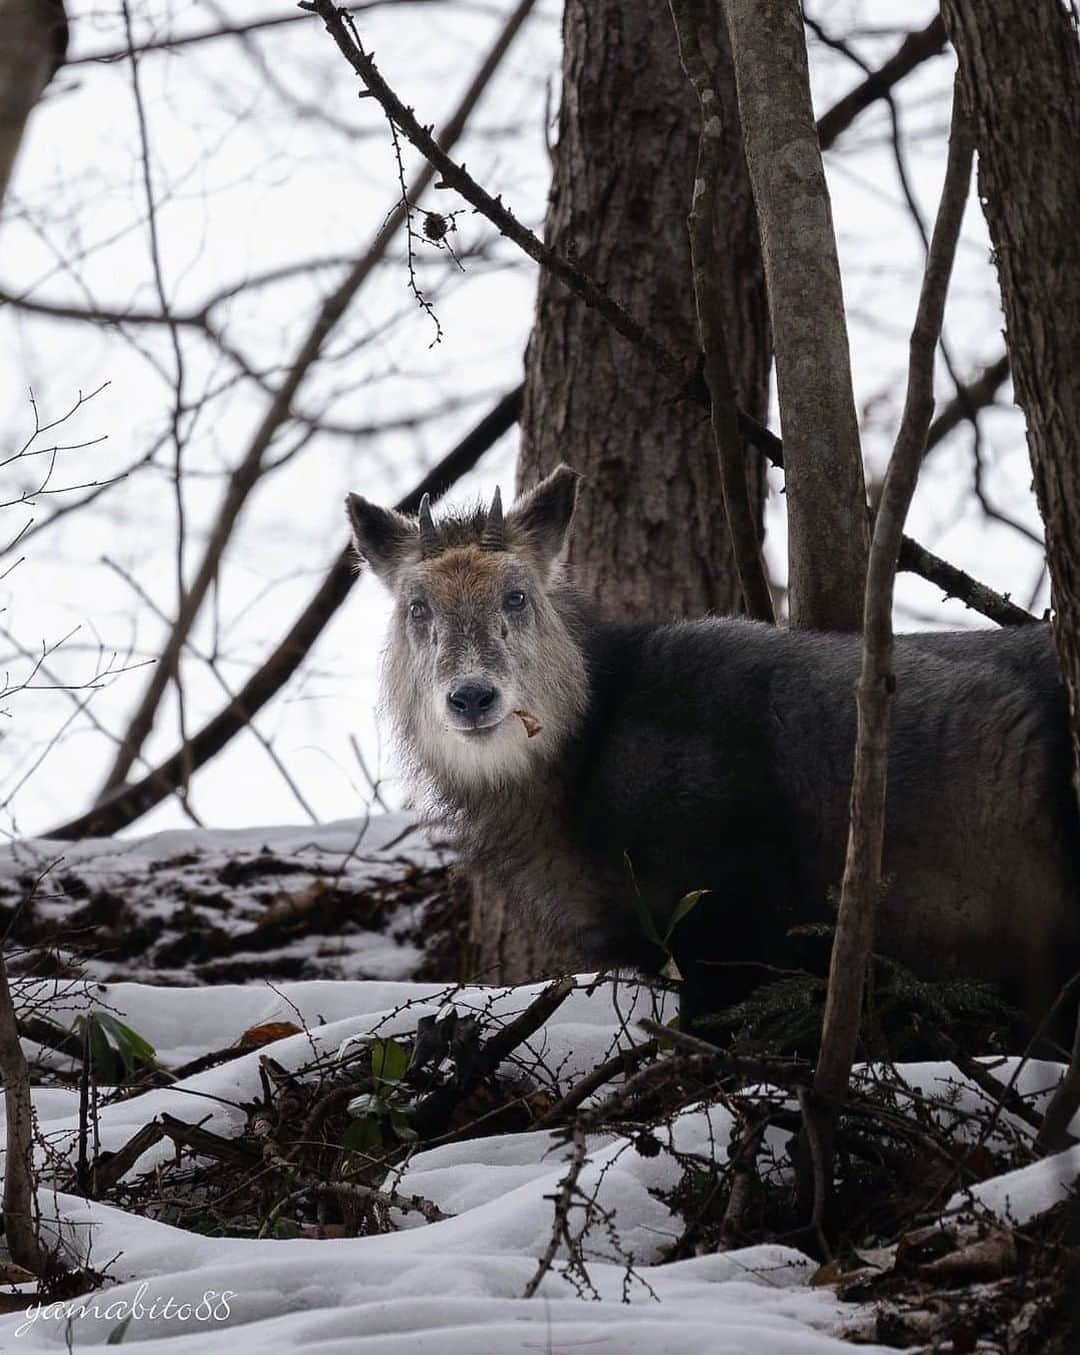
point(355, 899)
point(447, 1287)
point(455, 1286)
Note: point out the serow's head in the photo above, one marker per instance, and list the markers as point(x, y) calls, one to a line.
point(483, 673)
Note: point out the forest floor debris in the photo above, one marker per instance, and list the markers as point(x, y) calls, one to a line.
point(391, 1160)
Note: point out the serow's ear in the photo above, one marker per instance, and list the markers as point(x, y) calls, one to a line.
point(540, 519)
point(381, 535)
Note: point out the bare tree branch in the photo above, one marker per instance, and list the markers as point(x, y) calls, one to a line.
point(247, 473)
point(862, 868)
point(132, 802)
point(227, 30)
point(914, 50)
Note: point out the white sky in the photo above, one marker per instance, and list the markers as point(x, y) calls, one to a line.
point(262, 156)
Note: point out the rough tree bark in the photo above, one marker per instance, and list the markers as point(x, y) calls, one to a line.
point(33, 40)
point(826, 497)
point(649, 537)
point(1019, 68)
point(705, 226)
point(1020, 74)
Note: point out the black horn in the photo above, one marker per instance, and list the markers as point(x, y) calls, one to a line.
point(428, 544)
point(493, 536)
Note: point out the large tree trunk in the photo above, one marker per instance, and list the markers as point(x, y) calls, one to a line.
point(1019, 64)
point(33, 40)
point(650, 538)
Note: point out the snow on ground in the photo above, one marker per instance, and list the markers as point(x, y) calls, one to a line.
point(453, 1286)
point(342, 900)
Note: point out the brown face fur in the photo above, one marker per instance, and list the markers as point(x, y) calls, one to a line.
point(476, 638)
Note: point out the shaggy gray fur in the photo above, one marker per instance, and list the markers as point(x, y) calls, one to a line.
point(717, 755)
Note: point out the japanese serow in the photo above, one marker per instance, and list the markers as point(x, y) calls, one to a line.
point(583, 762)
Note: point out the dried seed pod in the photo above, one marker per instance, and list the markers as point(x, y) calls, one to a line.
point(435, 225)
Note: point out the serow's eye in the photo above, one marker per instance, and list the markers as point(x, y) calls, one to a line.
point(514, 600)
point(418, 610)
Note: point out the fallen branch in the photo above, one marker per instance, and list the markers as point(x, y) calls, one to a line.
point(560, 1227)
point(1002, 1094)
point(432, 1113)
point(744, 1183)
point(622, 1063)
point(780, 1072)
point(205, 1143)
point(51, 1036)
point(109, 1169)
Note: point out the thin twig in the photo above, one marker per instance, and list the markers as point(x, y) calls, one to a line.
point(862, 869)
point(249, 469)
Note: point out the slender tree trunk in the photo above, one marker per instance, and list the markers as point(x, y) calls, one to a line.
point(1019, 68)
point(827, 537)
point(650, 538)
point(33, 40)
point(862, 881)
point(19, 1208)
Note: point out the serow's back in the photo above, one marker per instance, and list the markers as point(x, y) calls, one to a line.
point(718, 755)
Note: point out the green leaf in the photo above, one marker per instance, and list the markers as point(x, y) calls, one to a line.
point(686, 905)
point(129, 1044)
point(645, 919)
point(389, 1060)
point(116, 1336)
point(364, 1135)
point(104, 1062)
point(116, 1051)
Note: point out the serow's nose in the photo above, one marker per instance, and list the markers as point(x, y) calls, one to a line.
point(472, 698)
